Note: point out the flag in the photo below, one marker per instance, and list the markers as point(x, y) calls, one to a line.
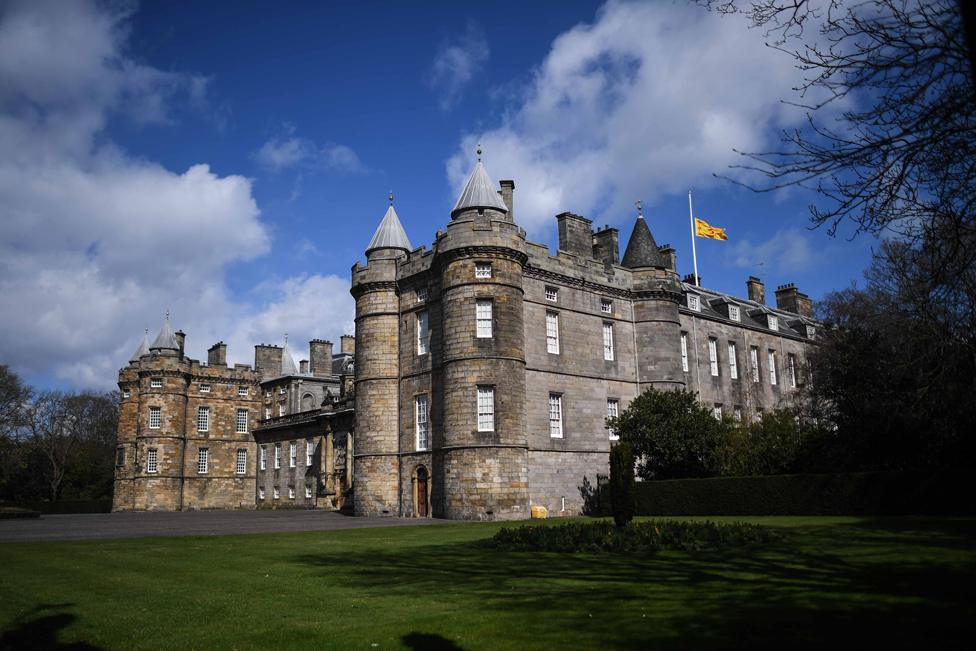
point(702, 229)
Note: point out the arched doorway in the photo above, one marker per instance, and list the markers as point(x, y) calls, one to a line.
point(421, 495)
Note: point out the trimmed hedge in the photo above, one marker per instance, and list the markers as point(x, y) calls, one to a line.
point(65, 506)
point(861, 493)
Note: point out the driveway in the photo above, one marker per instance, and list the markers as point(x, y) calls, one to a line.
point(100, 526)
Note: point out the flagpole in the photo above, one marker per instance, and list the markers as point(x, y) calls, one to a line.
point(694, 253)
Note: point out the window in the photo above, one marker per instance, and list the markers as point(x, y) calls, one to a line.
point(120, 456)
point(152, 460)
point(734, 313)
point(242, 392)
point(281, 409)
point(759, 412)
point(308, 491)
point(606, 306)
point(260, 492)
point(737, 413)
point(772, 367)
point(203, 419)
point(684, 352)
point(267, 413)
point(203, 461)
point(608, 341)
point(694, 302)
point(423, 333)
point(552, 294)
point(422, 294)
point(482, 270)
point(292, 454)
point(309, 452)
point(154, 417)
point(291, 492)
point(486, 409)
point(717, 411)
point(791, 361)
point(773, 322)
point(277, 455)
point(267, 394)
point(613, 410)
point(204, 388)
point(733, 361)
point(264, 457)
point(555, 416)
point(281, 391)
point(277, 493)
point(811, 332)
point(483, 318)
point(713, 355)
point(552, 332)
point(754, 363)
point(422, 423)
point(241, 466)
point(241, 421)
point(156, 383)
point(126, 393)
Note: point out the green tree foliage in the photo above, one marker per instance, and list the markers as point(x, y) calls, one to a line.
point(623, 492)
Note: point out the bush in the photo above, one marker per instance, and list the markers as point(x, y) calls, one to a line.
point(623, 497)
point(636, 537)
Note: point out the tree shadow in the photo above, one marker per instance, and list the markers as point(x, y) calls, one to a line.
point(41, 631)
point(429, 642)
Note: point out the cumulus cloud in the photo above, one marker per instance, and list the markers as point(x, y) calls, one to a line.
point(93, 242)
point(788, 251)
point(290, 151)
point(647, 100)
point(455, 65)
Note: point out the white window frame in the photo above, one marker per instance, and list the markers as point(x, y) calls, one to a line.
point(811, 332)
point(240, 462)
point(291, 491)
point(267, 413)
point(152, 461)
point(606, 306)
point(684, 352)
point(422, 294)
point(483, 312)
point(422, 422)
point(260, 492)
point(240, 421)
point(607, 341)
point(734, 313)
point(203, 461)
point(281, 409)
point(694, 302)
point(482, 270)
point(203, 419)
point(771, 360)
point(204, 387)
point(242, 392)
point(555, 416)
point(486, 408)
point(733, 361)
point(791, 361)
point(717, 411)
point(713, 356)
point(277, 456)
point(309, 452)
point(754, 364)
point(281, 391)
point(264, 457)
point(613, 411)
point(423, 332)
point(308, 491)
point(737, 413)
point(293, 454)
point(126, 393)
point(277, 493)
point(552, 332)
point(155, 417)
point(552, 294)
point(773, 321)
point(156, 383)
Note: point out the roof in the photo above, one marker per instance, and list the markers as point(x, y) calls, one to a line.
point(642, 250)
point(752, 313)
point(288, 366)
point(479, 192)
point(389, 234)
point(166, 340)
point(143, 347)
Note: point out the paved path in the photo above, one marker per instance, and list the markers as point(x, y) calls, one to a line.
point(95, 526)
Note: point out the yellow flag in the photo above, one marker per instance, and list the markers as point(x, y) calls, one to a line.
point(702, 229)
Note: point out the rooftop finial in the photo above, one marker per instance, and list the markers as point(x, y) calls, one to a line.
point(479, 152)
point(640, 209)
point(391, 197)
point(286, 338)
point(167, 314)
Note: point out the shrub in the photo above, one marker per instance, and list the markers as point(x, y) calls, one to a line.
point(623, 493)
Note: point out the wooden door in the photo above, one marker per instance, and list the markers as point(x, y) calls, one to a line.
point(422, 504)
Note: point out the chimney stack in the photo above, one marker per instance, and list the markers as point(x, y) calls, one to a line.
point(789, 298)
point(217, 355)
point(320, 353)
point(347, 344)
point(575, 234)
point(606, 245)
point(508, 196)
point(267, 360)
point(180, 340)
point(303, 367)
point(670, 256)
point(690, 279)
point(756, 289)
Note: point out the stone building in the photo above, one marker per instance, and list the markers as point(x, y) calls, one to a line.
point(486, 367)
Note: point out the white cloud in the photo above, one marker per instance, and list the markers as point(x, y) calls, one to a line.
point(788, 251)
point(293, 152)
point(93, 242)
point(650, 99)
point(455, 65)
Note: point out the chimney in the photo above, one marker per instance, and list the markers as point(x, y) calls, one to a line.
point(756, 289)
point(606, 245)
point(303, 367)
point(267, 361)
point(180, 339)
point(217, 355)
point(670, 256)
point(320, 353)
point(575, 234)
point(789, 298)
point(508, 196)
point(690, 279)
point(347, 344)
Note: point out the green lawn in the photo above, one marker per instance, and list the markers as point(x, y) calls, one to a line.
point(872, 582)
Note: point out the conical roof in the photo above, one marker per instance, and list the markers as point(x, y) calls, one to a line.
point(479, 192)
point(166, 340)
point(288, 366)
point(642, 250)
point(143, 348)
point(389, 234)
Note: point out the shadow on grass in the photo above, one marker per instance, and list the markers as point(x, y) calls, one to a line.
point(41, 631)
point(833, 585)
point(429, 642)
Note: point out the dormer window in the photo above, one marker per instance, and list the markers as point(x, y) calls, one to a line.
point(204, 388)
point(242, 392)
point(606, 306)
point(734, 313)
point(694, 303)
point(773, 322)
point(811, 332)
point(422, 294)
point(156, 383)
point(552, 294)
point(482, 270)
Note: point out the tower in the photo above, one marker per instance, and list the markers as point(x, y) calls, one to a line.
point(376, 461)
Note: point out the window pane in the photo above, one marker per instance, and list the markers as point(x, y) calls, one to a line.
point(423, 334)
point(552, 332)
point(555, 416)
point(422, 423)
point(684, 351)
point(483, 318)
point(608, 341)
point(486, 409)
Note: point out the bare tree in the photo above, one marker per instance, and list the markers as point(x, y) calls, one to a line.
point(14, 396)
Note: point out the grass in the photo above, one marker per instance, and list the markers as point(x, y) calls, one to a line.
point(832, 580)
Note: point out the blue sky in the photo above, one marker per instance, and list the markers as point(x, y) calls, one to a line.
point(232, 165)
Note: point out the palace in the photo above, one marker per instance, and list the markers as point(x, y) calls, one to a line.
point(479, 382)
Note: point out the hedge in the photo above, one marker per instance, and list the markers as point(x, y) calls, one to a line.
point(65, 506)
point(861, 493)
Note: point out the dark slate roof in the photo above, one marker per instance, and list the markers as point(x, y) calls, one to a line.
point(166, 340)
point(751, 313)
point(642, 250)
